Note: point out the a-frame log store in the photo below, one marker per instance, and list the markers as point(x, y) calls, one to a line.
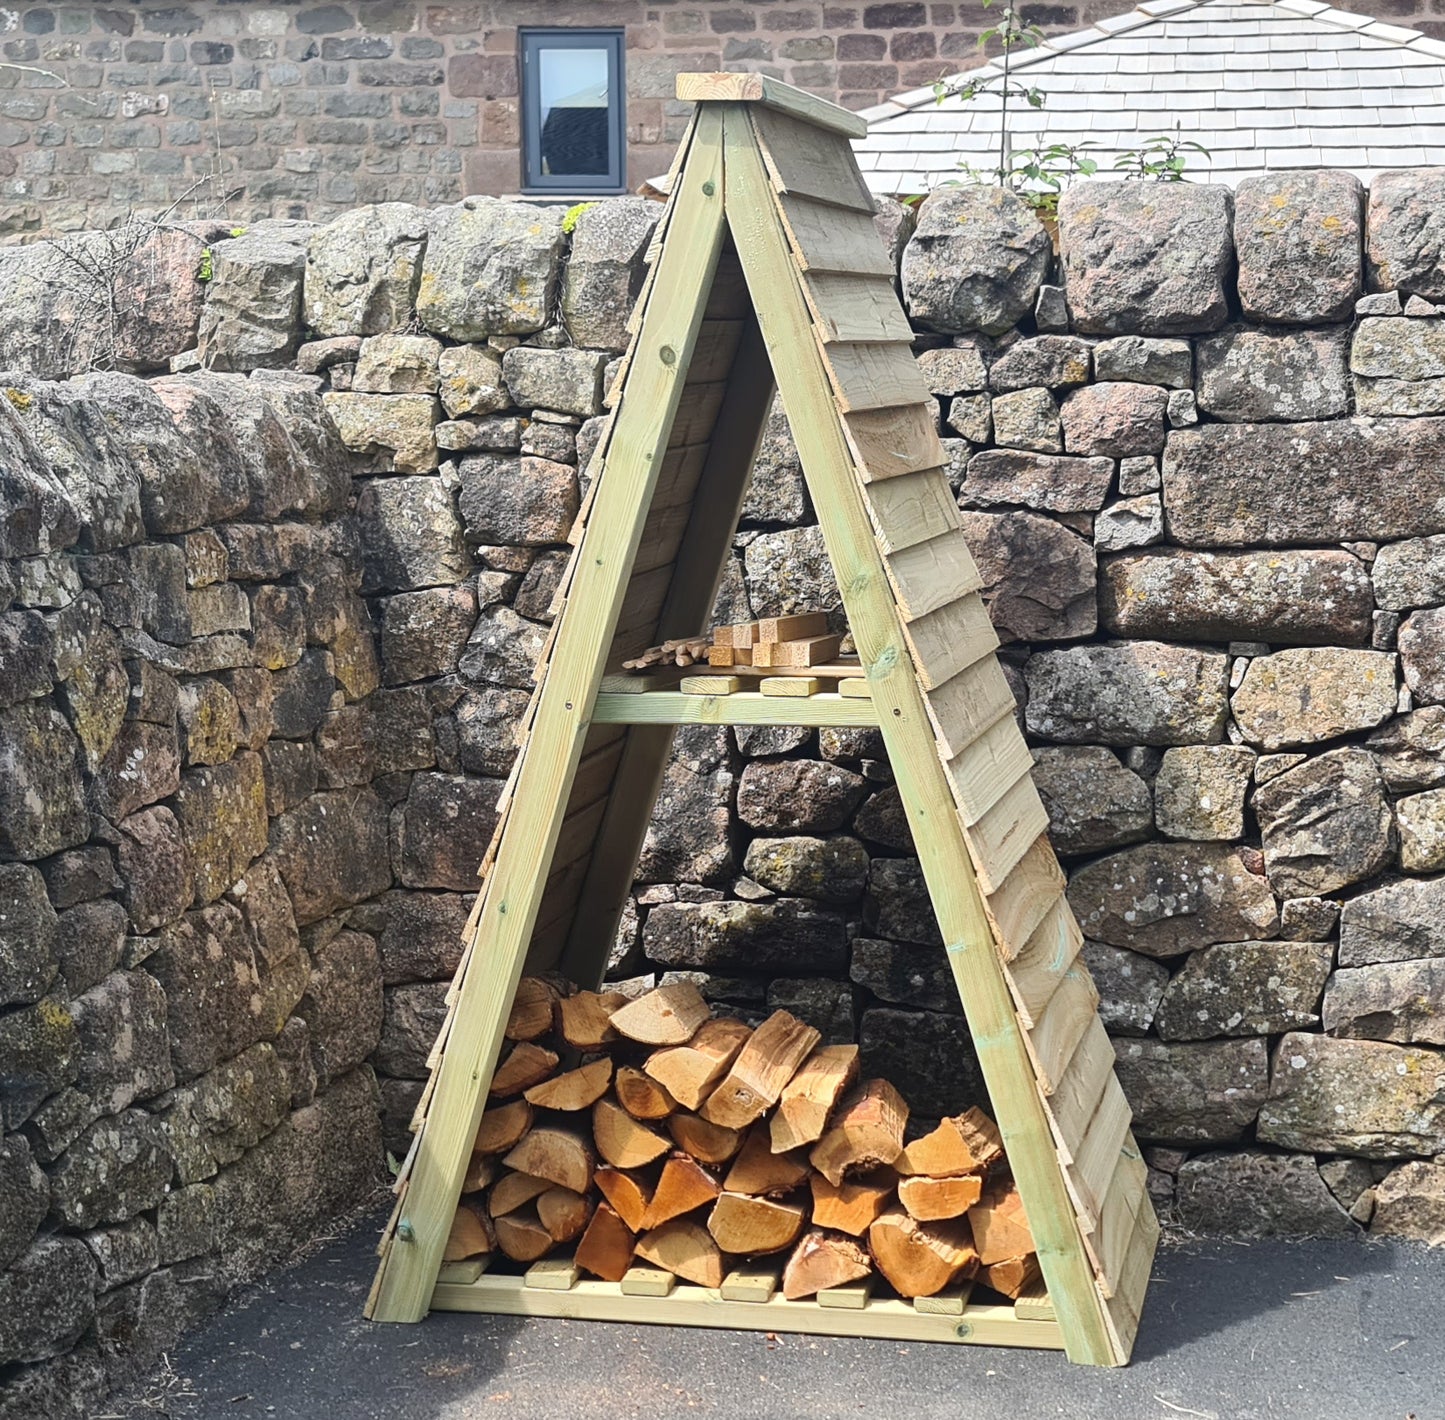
point(766, 265)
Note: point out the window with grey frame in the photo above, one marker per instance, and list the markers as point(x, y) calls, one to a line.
point(573, 119)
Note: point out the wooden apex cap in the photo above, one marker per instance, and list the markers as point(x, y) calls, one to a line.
point(724, 87)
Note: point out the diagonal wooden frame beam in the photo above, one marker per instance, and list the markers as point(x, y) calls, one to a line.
point(802, 377)
point(641, 428)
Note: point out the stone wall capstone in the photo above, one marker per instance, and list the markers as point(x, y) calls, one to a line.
point(278, 545)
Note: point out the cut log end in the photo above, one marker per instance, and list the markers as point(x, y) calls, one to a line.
point(867, 1131)
point(623, 1141)
point(920, 1259)
point(670, 1015)
point(751, 1226)
point(606, 1249)
point(686, 1249)
point(822, 1261)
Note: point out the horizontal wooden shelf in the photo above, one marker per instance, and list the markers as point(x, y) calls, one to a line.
point(980, 1324)
point(744, 707)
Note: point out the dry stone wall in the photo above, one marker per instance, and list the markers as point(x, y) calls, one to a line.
point(282, 511)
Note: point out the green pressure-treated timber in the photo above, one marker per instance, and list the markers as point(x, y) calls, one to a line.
point(638, 440)
point(745, 707)
point(873, 617)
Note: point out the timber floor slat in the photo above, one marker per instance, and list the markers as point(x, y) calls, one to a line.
point(981, 1324)
point(743, 707)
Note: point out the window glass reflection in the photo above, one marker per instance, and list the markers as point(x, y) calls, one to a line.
point(573, 89)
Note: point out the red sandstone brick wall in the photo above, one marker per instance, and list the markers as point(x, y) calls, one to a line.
point(302, 108)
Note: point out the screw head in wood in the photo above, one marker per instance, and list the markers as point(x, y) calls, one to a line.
point(405, 1231)
point(708, 188)
point(667, 355)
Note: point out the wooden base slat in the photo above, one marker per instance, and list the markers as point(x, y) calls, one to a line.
point(951, 1301)
point(751, 1284)
point(853, 1297)
point(685, 1305)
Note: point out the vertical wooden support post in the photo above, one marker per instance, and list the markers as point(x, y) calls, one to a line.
point(642, 425)
point(773, 279)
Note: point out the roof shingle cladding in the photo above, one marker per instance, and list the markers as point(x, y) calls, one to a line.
point(1263, 86)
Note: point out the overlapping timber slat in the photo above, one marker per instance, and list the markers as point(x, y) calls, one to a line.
point(892, 422)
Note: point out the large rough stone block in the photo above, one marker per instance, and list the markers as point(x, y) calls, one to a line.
point(1247, 374)
point(397, 430)
point(1410, 750)
point(503, 650)
point(1204, 1093)
point(1253, 1194)
point(363, 269)
point(47, 1299)
point(1048, 483)
point(216, 1002)
point(1309, 597)
point(1359, 1097)
point(1245, 988)
point(29, 936)
point(411, 536)
point(1422, 654)
point(252, 315)
point(398, 364)
point(220, 481)
point(1130, 987)
point(123, 1049)
point(1302, 696)
point(1147, 362)
point(929, 1057)
point(688, 838)
point(1421, 818)
point(904, 974)
point(413, 1015)
point(44, 516)
point(1038, 577)
point(24, 1198)
point(331, 851)
point(1165, 899)
point(1410, 1203)
point(788, 571)
point(491, 268)
point(1093, 802)
point(1404, 250)
point(42, 803)
point(1398, 921)
point(1114, 419)
point(418, 934)
point(342, 1006)
point(776, 492)
point(1131, 693)
point(785, 934)
point(568, 381)
point(222, 813)
point(441, 833)
point(1410, 574)
point(38, 1056)
point(471, 381)
point(519, 502)
point(1199, 791)
point(1146, 258)
point(1399, 366)
point(1325, 824)
point(129, 297)
point(118, 1167)
point(604, 270)
point(798, 795)
point(215, 1119)
point(975, 261)
point(321, 1161)
point(1054, 361)
point(1402, 1001)
point(898, 906)
point(424, 633)
point(1339, 480)
point(1298, 238)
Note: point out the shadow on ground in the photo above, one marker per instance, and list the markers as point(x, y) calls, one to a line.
point(1303, 1331)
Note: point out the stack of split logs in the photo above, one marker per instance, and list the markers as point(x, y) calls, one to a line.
point(774, 642)
point(647, 1133)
